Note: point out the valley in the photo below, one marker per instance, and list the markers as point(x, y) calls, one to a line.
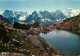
point(39, 27)
point(29, 38)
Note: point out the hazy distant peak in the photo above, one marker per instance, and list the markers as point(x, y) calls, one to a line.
point(69, 12)
point(58, 10)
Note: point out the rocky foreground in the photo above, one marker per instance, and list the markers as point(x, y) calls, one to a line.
point(24, 42)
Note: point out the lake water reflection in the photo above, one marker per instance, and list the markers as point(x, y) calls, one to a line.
point(66, 42)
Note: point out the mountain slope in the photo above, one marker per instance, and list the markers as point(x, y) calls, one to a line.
point(24, 41)
point(15, 16)
point(72, 24)
point(58, 15)
point(33, 17)
point(46, 17)
point(42, 17)
point(5, 20)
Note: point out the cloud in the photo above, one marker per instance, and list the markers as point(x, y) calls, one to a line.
point(68, 8)
point(75, 12)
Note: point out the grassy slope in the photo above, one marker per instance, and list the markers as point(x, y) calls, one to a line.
point(71, 24)
point(23, 41)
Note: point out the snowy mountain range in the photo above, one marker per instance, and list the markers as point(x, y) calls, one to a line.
point(14, 16)
point(43, 17)
point(58, 15)
point(70, 12)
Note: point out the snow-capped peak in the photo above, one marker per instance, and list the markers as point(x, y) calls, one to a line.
point(70, 12)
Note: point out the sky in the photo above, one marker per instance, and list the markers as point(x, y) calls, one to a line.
point(32, 5)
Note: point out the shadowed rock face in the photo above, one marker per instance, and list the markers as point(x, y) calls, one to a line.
point(58, 15)
point(5, 20)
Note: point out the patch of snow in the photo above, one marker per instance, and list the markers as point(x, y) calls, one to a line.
point(0, 13)
point(57, 20)
point(33, 21)
point(42, 20)
point(39, 15)
point(46, 19)
point(13, 20)
point(22, 17)
point(60, 19)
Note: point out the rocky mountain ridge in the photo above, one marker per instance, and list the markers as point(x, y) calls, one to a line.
point(43, 17)
point(5, 20)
